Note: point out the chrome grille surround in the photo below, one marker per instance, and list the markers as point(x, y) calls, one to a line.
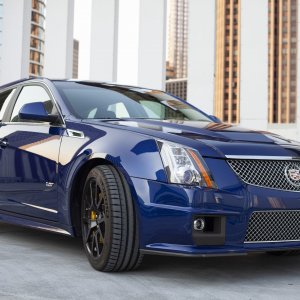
point(267, 172)
point(273, 226)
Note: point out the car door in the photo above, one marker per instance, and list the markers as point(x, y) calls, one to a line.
point(29, 157)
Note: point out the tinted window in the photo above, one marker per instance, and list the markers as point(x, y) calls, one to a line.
point(104, 101)
point(5, 97)
point(30, 94)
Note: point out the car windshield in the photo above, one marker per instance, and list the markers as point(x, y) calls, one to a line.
point(87, 100)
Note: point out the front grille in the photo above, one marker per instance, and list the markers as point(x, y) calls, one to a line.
point(273, 226)
point(275, 174)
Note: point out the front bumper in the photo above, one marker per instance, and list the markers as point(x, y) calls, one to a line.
point(166, 213)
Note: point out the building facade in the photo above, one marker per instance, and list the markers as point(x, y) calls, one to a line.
point(282, 60)
point(37, 38)
point(23, 55)
point(283, 35)
point(75, 58)
point(227, 61)
point(177, 87)
point(178, 37)
point(59, 39)
point(170, 71)
point(36, 49)
point(251, 53)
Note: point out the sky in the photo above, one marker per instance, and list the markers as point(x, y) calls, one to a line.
point(127, 41)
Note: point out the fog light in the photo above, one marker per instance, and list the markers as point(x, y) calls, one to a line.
point(199, 224)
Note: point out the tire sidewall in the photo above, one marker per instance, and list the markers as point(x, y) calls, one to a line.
point(99, 262)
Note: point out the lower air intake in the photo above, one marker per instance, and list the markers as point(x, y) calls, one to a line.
point(273, 226)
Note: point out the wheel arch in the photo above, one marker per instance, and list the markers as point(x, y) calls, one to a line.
point(77, 186)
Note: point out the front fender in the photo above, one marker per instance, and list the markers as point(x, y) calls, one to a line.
point(135, 155)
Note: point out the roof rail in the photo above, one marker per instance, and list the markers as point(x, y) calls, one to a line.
point(13, 82)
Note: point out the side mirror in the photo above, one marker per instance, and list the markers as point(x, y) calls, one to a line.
point(215, 119)
point(36, 112)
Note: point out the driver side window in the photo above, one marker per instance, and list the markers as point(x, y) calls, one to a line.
point(30, 94)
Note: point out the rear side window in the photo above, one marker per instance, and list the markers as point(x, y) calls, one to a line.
point(5, 98)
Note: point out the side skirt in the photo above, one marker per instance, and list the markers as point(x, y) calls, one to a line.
point(35, 223)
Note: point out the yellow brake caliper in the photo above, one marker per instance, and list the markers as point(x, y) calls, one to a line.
point(93, 218)
point(93, 215)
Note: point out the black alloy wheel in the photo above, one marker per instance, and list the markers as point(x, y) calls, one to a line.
point(109, 223)
point(94, 218)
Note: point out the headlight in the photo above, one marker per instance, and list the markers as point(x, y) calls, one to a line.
point(184, 165)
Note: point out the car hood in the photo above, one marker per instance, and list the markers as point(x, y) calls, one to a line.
point(214, 139)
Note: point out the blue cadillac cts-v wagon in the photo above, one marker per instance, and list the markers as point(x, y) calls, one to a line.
point(136, 171)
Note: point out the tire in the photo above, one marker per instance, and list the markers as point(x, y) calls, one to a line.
point(284, 253)
point(109, 224)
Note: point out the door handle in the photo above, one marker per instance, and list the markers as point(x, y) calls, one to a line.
point(3, 143)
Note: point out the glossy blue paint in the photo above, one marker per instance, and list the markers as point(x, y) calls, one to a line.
point(40, 162)
point(36, 111)
point(27, 163)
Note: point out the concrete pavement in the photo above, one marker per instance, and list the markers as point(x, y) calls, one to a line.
point(41, 265)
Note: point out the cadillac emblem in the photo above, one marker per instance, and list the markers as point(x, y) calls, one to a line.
point(292, 174)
